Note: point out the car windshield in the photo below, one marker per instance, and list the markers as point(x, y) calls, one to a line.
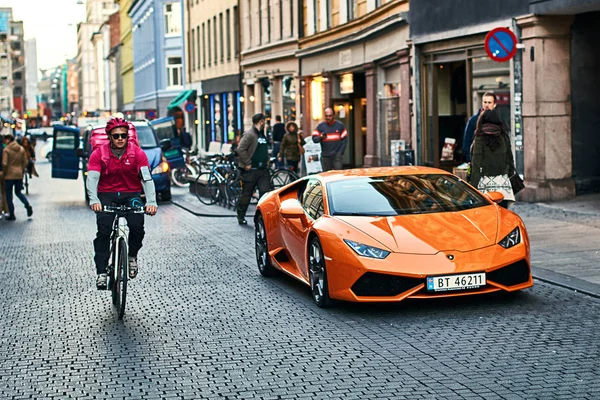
point(401, 194)
point(146, 136)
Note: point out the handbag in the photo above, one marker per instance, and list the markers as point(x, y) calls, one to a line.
point(517, 183)
point(498, 183)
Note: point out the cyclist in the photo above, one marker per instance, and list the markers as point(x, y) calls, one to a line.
point(117, 172)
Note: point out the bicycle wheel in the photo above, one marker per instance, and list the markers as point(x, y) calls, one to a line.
point(120, 284)
point(207, 188)
point(282, 177)
point(26, 183)
point(234, 190)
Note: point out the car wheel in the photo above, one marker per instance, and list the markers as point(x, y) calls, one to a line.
point(318, 274)
point(166, 195)
point(262, 250)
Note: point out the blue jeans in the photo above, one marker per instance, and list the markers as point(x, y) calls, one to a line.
point(18, 186)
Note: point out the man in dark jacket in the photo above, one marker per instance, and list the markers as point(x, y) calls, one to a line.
point(488, 103)
point(333, 138)
point(278, 133)
point(253, 161)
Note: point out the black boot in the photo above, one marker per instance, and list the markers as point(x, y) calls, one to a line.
point(29, 211)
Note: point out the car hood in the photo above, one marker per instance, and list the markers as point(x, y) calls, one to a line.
point(431, 233)
point(154, 156)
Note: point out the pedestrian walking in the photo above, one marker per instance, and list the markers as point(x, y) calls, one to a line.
point(14, 163)
point(333, 137)
point(292, 146)
point(278, 134)
point(3, 202)
point(253, 161)
point(488, 102)
point(30, 152)
point(492, 162)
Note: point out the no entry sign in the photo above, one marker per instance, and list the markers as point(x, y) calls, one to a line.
point(501, 44)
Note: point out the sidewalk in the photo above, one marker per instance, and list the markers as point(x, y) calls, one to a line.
point(564, 236)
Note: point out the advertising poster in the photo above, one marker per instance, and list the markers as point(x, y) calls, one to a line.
point(312, 157)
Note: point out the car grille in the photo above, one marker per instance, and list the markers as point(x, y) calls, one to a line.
point(512, 274)
point(374, 284)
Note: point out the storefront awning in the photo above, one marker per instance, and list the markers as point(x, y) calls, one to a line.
point(181, 98)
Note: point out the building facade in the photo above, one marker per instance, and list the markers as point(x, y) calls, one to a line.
point(546, 92)
point(126, 57)
point(354, 57)
point(31, 73)
point(212, 43)
point(6, 93)
point(158, 56)
point(19, 83)
point(270, 32)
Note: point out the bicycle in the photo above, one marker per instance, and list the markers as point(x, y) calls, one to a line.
point(26, 182)
point(118, 268)
point(210, 186)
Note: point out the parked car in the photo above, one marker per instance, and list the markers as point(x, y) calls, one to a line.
point(68, 155)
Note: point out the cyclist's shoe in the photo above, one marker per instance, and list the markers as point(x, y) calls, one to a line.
point(133, 267)
point(101, 281)
point(11, 217)
point(29, 211)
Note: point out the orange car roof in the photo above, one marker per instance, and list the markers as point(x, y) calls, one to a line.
point(332, 176)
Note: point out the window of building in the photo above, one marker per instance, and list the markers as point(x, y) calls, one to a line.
point(204, 46)
point(209, 43)
point(315, 22)
point(173, 19)
point(222, 42)
point(352, 9)
point(215, 38)
point(17, 76)
point(236, 36)
point(198, 44)
point(18, 91)
point(291, 17)
point(16, 45)
point(281, 19)
point(260, 22)
point(193, 48)
point(174, 72)
point(268, 20)
point(228, 30)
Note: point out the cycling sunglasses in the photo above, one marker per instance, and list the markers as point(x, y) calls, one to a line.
point(117, 136)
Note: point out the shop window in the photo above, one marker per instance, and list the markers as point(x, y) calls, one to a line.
point(390, 144)
point(172, 19)
point(288, 91)
point(174, 72)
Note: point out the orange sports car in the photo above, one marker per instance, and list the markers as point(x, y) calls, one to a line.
point(391, 233)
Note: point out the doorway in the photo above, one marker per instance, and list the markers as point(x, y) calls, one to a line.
point(351, 114)
point(446, 100)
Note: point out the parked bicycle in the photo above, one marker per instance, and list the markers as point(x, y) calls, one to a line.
point(182, 176)
point(118, 268)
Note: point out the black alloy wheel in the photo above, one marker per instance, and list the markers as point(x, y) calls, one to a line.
point(262, 250)
point(318, 274)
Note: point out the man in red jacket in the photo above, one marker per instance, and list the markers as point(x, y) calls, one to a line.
point(333, 137)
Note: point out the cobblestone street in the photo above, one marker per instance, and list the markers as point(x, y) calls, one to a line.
point(202, 323)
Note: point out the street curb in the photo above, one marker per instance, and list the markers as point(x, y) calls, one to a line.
point(208, 215)
point(565, 281)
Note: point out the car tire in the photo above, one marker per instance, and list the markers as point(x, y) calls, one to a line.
point(265, 267)
point(319, 286)
point(166, 195)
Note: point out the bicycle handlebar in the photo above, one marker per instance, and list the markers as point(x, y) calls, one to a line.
point(123, 209)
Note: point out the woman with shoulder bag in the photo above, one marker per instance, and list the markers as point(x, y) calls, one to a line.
point(292, 146)
point(492, 162)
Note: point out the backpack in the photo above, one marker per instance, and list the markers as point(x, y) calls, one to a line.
point(98, 138)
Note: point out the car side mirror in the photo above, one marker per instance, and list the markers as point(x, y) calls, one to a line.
point(165, 144)
point(80, 153)
point(291, 208)
point(496, 197)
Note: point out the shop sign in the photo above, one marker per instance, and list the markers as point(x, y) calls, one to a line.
point(345, 58)
point(347, 83)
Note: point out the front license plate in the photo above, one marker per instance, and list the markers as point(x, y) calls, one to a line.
point(455, 282)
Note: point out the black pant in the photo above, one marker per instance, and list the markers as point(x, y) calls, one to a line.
point(17, 184)
point(250, 180)
point(292, 165)
point(135, 222)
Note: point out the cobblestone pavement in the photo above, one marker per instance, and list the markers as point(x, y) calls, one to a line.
point(202, 323)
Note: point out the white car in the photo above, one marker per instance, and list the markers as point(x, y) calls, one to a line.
point(45, 151)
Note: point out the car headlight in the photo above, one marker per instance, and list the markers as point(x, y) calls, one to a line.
point(511, 239)
point(160, 168)
point(367, 251)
